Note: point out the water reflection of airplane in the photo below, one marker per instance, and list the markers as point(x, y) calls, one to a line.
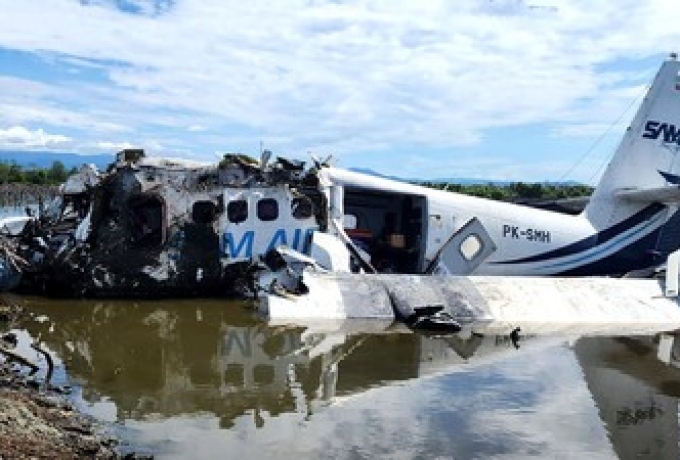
point(164, 359)
point(635, 393)
point(172, 358)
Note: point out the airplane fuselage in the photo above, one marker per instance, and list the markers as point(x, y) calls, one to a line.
point(526, 240)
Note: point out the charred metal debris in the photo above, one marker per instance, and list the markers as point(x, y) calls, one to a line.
point(151, 227)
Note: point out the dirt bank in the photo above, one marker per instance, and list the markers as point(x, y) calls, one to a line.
point(36, 419)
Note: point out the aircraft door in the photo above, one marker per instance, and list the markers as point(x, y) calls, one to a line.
point(464, 251)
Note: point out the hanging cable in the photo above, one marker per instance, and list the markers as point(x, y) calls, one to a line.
point(603, 135)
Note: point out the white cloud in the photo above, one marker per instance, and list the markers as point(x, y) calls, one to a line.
point(113, 146)
point(25, 101)
point(335, 76)
point(20, 137)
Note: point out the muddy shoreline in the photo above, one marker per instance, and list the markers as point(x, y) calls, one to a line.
point(36, 418)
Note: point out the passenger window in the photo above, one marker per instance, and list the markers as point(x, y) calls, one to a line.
point(237, 211)
point(267, 209)
point(470, 247)
point(301, 207)
point(204, 212)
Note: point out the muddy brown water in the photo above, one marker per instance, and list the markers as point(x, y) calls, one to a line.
point(209, 379)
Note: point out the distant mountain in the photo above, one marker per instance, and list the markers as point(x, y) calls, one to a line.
point(467, 181)
point(45, 159)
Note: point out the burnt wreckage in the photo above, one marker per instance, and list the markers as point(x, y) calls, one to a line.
point(158, 227)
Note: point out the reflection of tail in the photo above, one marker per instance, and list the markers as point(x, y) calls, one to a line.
point(631, 389)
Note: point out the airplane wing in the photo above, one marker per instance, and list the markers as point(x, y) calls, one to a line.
point(667, 194)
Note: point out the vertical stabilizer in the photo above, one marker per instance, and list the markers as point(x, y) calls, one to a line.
point(647, 155)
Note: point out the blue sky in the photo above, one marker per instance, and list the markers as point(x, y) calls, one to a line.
point(499, 89)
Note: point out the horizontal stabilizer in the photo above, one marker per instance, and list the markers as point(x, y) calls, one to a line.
point(666, 194)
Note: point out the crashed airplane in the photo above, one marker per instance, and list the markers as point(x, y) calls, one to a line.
point(159, 227)
point(155, 227)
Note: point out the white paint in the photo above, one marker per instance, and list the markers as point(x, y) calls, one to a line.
point(329, 252)
point(83, 229)
point(609, 302)
point(86, 177)
point(600, 305)
point(672, 274)
point(328, 300)
point(13, 225)
point(665, 350)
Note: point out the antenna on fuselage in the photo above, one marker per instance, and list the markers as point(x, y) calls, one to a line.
point(265, 156)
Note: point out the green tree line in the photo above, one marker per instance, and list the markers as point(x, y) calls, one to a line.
point(516, 191)
point(14, 173)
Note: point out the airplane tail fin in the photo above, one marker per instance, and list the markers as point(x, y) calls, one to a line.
point(645, 170)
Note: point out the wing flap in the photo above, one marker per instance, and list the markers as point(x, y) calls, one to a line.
point(667, 194)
